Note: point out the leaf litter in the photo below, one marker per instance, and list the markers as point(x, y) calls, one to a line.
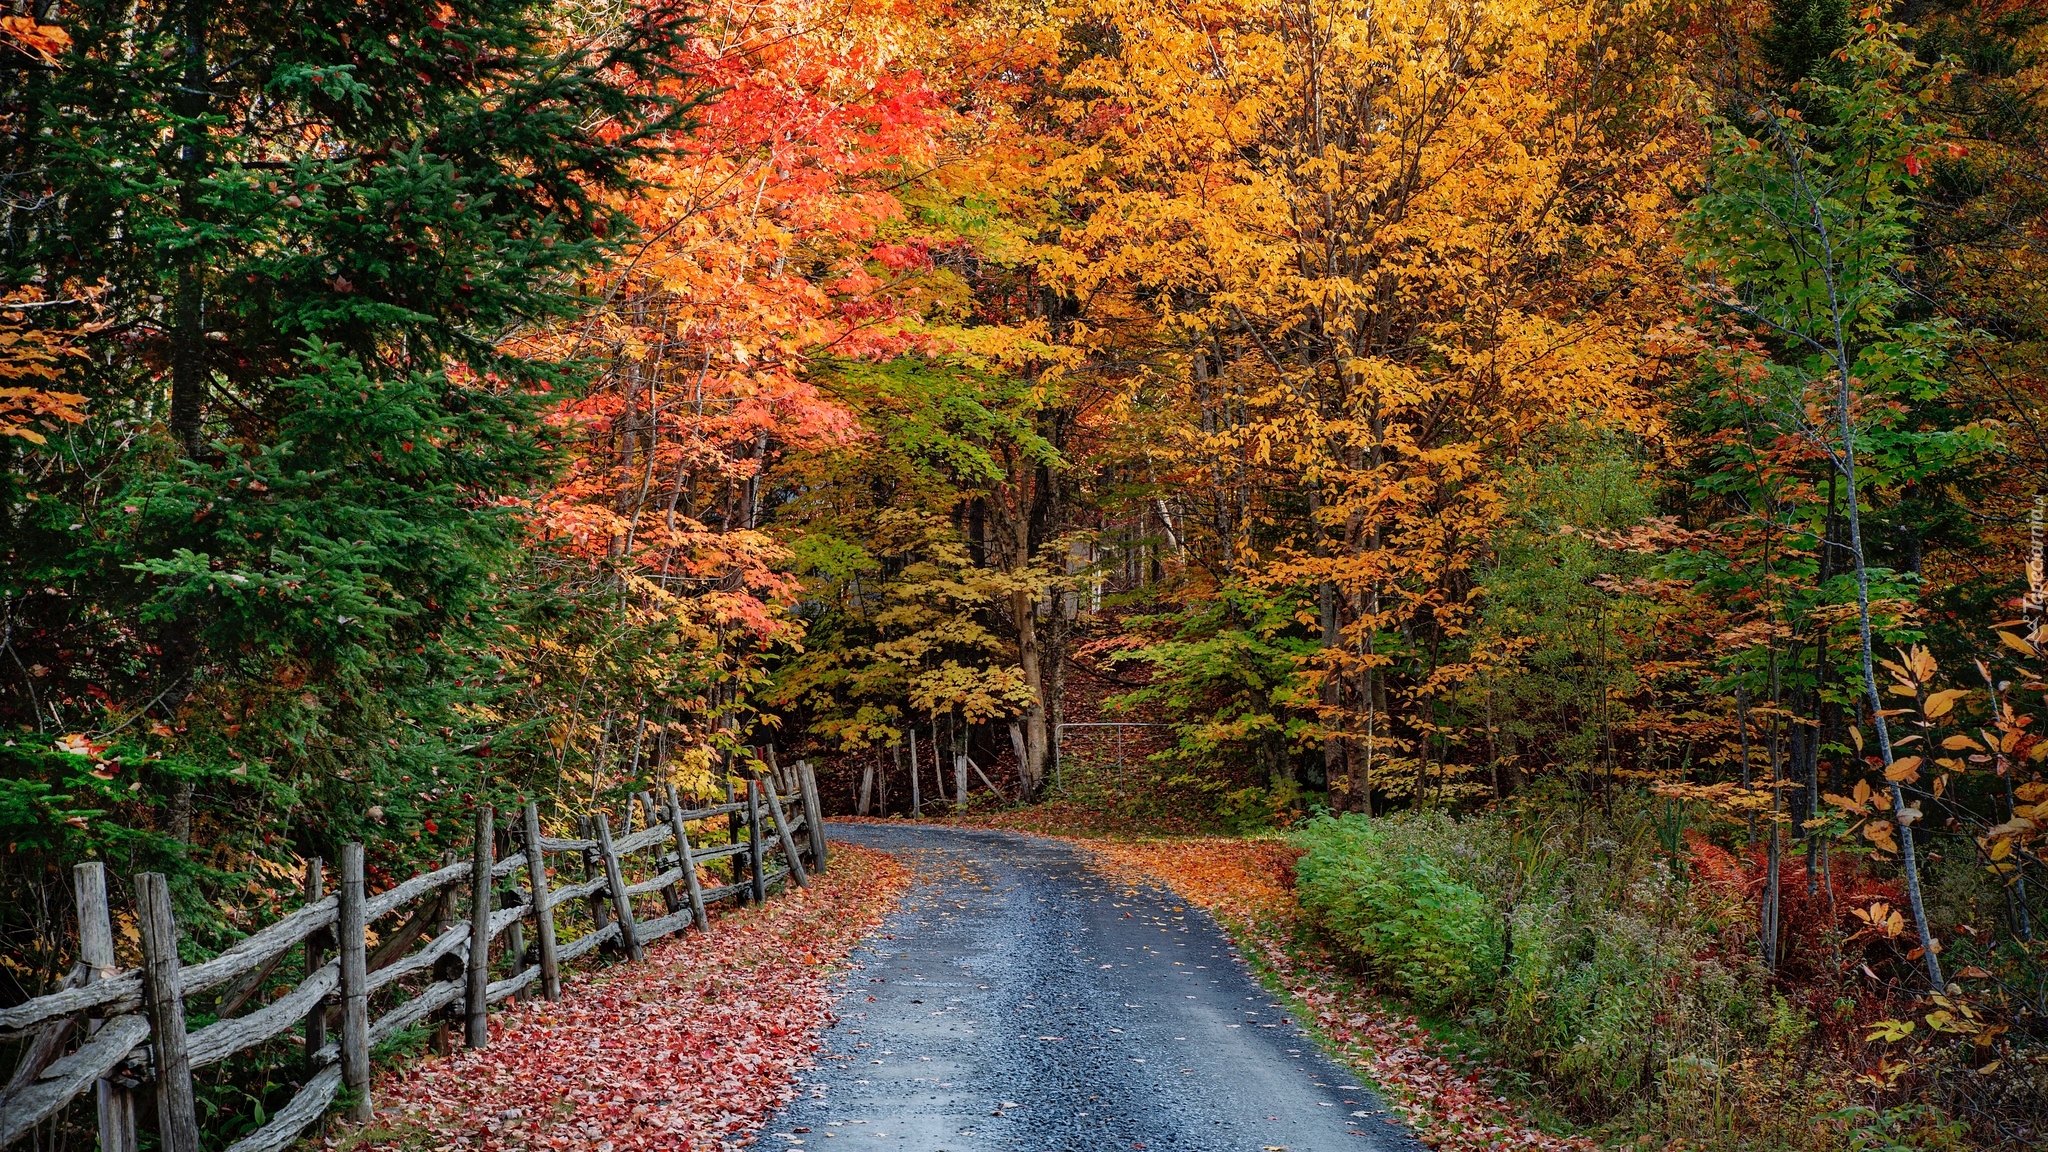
point(691, 1050)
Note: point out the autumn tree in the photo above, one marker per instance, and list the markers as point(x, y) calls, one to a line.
point(908, 601)
point(1386, 244)
point(1801, 234)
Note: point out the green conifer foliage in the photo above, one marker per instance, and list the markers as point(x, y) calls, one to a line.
point(269, 573)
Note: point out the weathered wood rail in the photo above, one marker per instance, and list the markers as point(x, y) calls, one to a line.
point(113, 1031)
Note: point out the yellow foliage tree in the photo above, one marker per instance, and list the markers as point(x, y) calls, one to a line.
point(1384, 245)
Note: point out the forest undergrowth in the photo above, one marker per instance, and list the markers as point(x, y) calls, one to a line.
point(1741, 1066)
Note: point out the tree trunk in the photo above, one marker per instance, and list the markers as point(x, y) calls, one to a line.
point(1032, 770)
point(916, 791)
point(1909, 860)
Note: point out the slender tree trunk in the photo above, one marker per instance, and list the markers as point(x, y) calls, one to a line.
point(1742, 722)
point(1908, 859)
point(1769, 926)
point(1330, 638)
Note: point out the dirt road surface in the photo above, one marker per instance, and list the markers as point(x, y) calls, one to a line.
point(1023, 1000)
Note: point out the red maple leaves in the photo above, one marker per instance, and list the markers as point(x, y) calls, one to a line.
point(692, 1049)
point(774, 233)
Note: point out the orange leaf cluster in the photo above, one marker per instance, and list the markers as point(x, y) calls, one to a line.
point(32, 353)
point(44, 42)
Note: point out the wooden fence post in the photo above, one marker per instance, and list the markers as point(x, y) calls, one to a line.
point(96, 952)
point(685, 860)
point(598, 903)
point(616, 881)
point(316, 955)
point(515, 932)
point(733, 823)
point(544, 916)
point(351, 936)
point(476, 1028)
point(671, 896)
point(759, 885)
point(447, 967)
point(814, 813)
point(796, 863)
point(176, 1112)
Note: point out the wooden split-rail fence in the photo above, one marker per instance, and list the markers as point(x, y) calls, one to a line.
point(115, 1031)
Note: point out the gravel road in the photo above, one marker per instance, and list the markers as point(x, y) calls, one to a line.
point(1021, 1000)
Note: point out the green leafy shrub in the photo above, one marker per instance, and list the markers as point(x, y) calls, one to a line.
point(1376, 890)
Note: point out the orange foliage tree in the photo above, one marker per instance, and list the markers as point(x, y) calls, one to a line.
point(773, 236)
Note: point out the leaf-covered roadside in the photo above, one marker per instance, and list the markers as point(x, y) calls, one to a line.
point(1445, 1097)
point(690, 1050)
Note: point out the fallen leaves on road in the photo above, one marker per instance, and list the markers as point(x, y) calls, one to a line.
point(692, 1049)
point(1446, 1098)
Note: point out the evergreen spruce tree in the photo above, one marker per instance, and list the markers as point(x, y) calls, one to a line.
point(270, 568)
point(1803, 38)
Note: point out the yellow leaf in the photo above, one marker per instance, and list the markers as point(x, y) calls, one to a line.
point(1862, 792)
point(2001, 850)
point(1856, 737)
point(1905, 768)
point(1960, 742)
point(1940, 703)
point(2016, 644)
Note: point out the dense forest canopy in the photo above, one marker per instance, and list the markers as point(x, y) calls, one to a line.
point(1433, 406)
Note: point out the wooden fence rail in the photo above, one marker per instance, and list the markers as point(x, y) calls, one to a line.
point(114, 1031)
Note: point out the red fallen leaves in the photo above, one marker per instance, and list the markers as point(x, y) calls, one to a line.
point(692, 1049)
point(1247, 883)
